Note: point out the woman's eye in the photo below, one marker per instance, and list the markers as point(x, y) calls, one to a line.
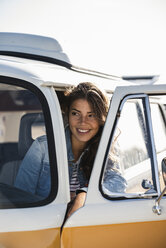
point(75, 113)
point(91, 115)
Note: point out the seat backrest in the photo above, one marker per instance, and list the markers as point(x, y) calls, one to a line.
point(9, 170)
point(25, 132)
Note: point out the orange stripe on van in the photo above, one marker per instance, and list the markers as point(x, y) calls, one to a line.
point(49, 238)
point(130, 235)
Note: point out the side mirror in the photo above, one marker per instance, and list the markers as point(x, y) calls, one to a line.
point(163, 165)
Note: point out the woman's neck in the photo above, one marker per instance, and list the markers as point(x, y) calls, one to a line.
point(77, 148)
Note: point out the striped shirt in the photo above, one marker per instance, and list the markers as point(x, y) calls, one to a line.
point(74, 183)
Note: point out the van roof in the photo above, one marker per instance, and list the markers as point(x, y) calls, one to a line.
point(43, 58)
point(20, 43)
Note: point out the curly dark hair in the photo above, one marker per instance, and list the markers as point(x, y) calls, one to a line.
point(100, 104)
point(95, 96)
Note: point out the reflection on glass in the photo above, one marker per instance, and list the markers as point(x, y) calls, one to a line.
point(131, 148)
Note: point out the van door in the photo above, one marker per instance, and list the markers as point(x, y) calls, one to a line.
point(29, 115)
point(119, 214)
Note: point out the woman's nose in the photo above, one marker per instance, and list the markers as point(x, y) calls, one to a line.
point(83, 119)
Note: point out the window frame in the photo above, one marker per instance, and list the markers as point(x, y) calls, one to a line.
point(153, 157)
point(50, 138)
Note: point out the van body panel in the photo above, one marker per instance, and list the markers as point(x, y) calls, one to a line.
point(127, 235)
point(40, 239)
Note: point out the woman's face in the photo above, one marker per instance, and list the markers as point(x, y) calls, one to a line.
point(82, 121)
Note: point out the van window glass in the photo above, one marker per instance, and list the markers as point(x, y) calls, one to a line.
point(158, 127)
point(22, 125)
point(129, 154)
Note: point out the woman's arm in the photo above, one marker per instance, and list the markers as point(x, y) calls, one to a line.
point(29, 171)
point(78, 203)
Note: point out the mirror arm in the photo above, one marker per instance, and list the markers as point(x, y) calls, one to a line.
point(156, 208)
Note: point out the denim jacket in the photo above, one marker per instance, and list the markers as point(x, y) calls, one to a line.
point(34, 172)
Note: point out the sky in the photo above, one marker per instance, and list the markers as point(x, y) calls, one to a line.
point(119, 37)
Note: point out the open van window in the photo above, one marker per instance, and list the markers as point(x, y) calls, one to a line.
point(132, 145)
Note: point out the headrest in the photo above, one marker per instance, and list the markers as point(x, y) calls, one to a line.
point(25, 132)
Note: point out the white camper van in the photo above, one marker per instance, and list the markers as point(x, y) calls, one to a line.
point(34, 73)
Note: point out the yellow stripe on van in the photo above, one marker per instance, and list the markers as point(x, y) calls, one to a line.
point(49, 238)
point(130, 235)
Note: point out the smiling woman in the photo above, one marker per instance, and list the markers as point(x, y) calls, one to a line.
point(87, 108)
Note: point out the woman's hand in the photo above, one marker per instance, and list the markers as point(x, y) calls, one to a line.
point(78, 203)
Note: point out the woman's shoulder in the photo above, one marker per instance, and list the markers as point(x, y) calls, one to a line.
point(42, 138)
point(41, 142)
